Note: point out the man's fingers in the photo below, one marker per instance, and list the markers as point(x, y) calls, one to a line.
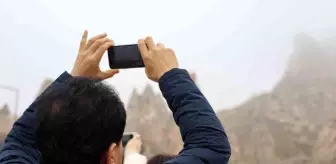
point(150, 43)
point(160, 45)
point(98, 43)
point(143, 48)
point(109, 73)
point(98, 55)
point(83, 41)
point(92, 40)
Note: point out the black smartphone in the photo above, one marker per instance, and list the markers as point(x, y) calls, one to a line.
point(125, 56)
point(125, 138)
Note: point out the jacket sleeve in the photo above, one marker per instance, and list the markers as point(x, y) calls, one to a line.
point(205, 141)
point(20, 145)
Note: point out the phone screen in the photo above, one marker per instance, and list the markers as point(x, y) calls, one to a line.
point(125, 56)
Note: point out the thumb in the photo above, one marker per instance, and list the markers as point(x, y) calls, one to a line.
point(109, 73)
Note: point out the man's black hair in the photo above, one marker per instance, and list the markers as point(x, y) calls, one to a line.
point(78, 121)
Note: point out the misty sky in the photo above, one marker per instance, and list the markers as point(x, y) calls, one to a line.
point(237, 47)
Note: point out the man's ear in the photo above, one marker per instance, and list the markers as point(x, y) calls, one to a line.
point(111, 154)
point(114, 154)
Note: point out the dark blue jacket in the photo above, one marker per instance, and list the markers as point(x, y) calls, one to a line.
point(205, 141)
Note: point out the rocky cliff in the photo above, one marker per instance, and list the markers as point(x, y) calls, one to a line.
point(294, 123)
point(147, 114)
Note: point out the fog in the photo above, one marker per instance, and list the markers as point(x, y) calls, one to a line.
point(237, 48)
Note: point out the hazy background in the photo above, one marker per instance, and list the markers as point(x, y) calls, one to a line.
point(237, 48)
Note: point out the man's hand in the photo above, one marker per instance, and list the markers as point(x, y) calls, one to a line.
point(157, 59)
point(134, 145)
point(89, 56)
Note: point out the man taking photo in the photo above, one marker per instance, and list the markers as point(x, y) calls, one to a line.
point(81, 120)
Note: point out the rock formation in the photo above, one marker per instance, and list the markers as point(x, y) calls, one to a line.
point(147, 114)
point(294, 123)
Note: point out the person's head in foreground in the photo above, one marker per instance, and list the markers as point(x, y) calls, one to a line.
point(85, 119)
point(82, 121)
point(161, 158)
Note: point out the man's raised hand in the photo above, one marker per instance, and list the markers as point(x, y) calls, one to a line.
point(157, 59)
point(89, 56)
